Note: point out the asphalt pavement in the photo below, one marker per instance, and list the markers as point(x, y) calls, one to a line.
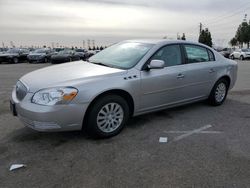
point(206, 146)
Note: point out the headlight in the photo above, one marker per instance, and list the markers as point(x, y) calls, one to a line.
point(54, 96)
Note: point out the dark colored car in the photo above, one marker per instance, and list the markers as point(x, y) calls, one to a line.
point(40, 55)
point(82, 53)
point(226, 52)
point(90, 53)
point(14, 55)
point(65, 56)
point(2, 50)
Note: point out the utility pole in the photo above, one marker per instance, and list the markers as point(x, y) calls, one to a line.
point(83, 44)
point(245, 18)
point(88, 41)
point(200, 27)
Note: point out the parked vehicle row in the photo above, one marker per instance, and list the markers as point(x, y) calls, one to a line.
point(43, 55)
point(232, 53)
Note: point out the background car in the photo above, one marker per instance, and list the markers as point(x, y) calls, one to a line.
point(14, 55)
point(240, 54)
point(42, 55)
point(65, 56)
point(82, 53)
point(226, 52)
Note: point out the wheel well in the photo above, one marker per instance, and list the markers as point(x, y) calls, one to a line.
point(227, 78)
point(125, 95)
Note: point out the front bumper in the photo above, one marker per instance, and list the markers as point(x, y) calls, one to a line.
point(247, 56)
point(66, 117)
point(34, 60)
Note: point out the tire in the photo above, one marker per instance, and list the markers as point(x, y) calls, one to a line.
point(70, 59)
point(219, 92)
point(102, 124)
point(15, 60)
point(232, 56)
point(241, 57)
point(45, 60)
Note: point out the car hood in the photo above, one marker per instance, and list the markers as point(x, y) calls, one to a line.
point(8, 54)
point(37, 54)
point(67, 74)
point(60, 55)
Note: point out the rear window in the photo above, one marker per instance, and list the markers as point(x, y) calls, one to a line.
point(196, 54)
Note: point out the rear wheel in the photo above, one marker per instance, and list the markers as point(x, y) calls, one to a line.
point(232, 57)
point(241, 57)
point(15, 60)
point(219, 92)
point(107, 116)
point(45, 60)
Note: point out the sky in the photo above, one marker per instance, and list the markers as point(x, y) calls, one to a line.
point(71, 22)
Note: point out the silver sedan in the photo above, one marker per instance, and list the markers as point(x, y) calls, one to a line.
point(127, 79)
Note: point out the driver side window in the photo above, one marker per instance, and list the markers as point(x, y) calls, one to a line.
point(170, 54)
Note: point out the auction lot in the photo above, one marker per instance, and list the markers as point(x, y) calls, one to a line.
point(206, 147)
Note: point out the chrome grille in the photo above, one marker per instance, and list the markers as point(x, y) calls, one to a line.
point(21, 90)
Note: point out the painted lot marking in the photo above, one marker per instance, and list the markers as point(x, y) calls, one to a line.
point(186, 134)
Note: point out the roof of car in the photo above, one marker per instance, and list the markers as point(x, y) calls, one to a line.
point(166, 41)
point(161, 41)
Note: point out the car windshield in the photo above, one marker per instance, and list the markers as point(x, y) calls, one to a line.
point(79, 50)
point(65, 52)
point(245, 50)
point(13, 50)
point(40, 51)
point(122, 55)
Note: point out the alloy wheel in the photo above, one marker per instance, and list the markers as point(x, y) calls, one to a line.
point(220, 92)
point(110, 117)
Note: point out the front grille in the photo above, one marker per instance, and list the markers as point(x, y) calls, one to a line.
point(34, 57)
point(21, 90)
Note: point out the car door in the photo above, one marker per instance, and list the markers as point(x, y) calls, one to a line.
point(237, 53)
point(200, 71)
point(161, 87)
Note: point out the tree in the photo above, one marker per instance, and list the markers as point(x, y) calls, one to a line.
point(93, 48)
point(243, 34)
point(90, 48)
point(101, 48)
point(183, 37)
point(205, 37)
point(233, 42)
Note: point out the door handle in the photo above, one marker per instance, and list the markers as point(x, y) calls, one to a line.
point(211, 70)
point(179, 76)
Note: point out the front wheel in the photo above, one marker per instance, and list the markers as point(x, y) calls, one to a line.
point(219, 92)
point(15, 60)
point(107, 116)
point(232, 57)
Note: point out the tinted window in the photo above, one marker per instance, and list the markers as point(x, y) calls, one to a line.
point(196, 54)
point(211, 55)
point(171, 55)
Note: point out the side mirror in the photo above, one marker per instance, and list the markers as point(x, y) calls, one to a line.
point(156, 64)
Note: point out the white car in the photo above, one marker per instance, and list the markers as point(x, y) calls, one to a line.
point(240, 54)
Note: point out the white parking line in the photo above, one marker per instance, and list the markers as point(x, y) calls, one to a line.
point(192, 132)
point(202, 132)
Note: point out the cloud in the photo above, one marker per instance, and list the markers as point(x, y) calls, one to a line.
point(28, 20)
